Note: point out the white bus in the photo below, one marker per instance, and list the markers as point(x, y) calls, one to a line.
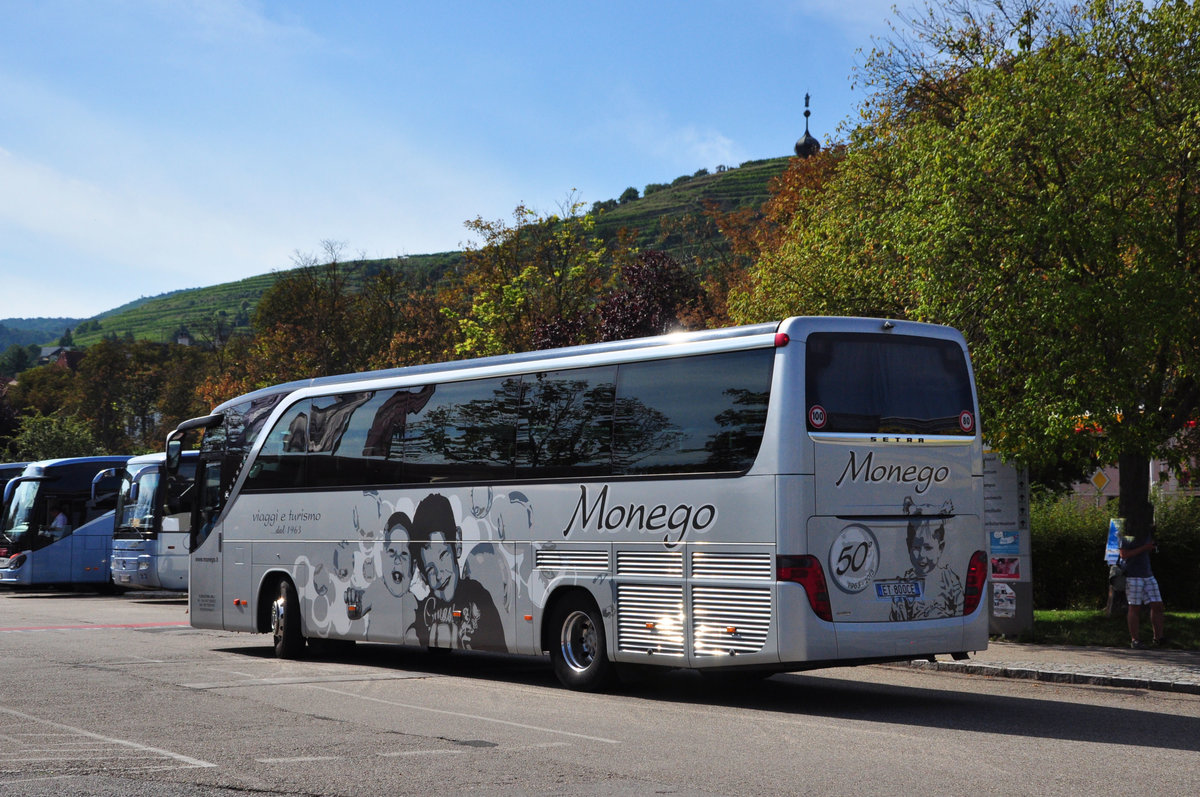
point(150, 541)
point(765, 498)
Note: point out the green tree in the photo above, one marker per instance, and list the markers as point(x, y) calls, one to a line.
point(399, 320)
point(1026, 172)
point(45, 389)
point(308, 310)
point(98, 388)
point(532, 284)
point(15, 359)
point(51, 437)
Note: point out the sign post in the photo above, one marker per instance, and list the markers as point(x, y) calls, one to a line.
point(1006, 522)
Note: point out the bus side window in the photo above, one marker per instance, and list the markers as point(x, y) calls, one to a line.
point(466, 432)
point(691, 414)
point(280, 461)
point(58, 522)
point(565, 423)
point(335, 448)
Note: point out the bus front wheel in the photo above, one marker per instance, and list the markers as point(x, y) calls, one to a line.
point(285, 622)
point(578, 649)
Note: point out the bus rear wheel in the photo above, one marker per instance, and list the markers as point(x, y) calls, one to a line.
point(285, 622)
point(578, 649)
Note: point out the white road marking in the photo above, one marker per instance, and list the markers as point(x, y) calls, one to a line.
point(477, 717)
point(183, 759)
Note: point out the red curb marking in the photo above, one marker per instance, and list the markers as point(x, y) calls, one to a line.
point(83, 627)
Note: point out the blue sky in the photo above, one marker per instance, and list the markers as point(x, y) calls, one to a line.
point(153, 145)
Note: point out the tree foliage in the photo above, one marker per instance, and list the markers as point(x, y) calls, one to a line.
point(532, 284)
point(52, 437)
point(1027, 173)
point(653, 295)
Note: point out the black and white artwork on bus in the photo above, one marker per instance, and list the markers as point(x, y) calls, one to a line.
point(941, 594)
point(424, 571)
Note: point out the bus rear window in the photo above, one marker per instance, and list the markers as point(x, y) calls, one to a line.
point(887, 384)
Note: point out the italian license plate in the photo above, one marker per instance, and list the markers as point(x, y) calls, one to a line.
point(898, 589)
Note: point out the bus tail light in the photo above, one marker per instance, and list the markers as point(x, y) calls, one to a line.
point(976, 580)
point(806, 571)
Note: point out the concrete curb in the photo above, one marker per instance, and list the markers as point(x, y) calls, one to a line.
point(1059, 676)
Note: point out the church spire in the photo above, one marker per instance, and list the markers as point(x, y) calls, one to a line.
point(807, 145)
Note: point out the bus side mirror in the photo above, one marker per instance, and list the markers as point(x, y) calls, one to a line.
point(174, 453)
point(109, 473)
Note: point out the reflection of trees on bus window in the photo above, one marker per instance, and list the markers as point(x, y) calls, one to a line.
point(385, 435)
point(467, 431)
point(297, 434)
point(639, 433)
point(330, 418)
point(280, 461)
point(565, 423)
point(692, 414)
point(741, 430)
point(685, 415)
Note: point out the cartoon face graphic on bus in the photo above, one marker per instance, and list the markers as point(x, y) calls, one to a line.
point(459, 612)
point(942, 594)
point(397, 555)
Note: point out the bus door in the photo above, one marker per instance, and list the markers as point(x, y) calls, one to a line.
point(205, 581)
point(57, 518)
point(175, 526)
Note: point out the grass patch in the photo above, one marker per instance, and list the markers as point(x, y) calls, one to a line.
point(1092, 628)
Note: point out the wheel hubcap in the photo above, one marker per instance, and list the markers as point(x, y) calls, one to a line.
point(579, 641)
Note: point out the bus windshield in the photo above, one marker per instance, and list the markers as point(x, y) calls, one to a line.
point(136, 502)
point(20, 523)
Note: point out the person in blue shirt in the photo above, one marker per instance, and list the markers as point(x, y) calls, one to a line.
point(1141, 588)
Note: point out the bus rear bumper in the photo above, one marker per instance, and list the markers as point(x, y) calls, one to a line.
point(804, 638)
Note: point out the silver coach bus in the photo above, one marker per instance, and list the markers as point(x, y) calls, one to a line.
point(765, 498)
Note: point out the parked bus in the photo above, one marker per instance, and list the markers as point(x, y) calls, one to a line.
point(57, 529)
point(150, 543)
point(766, 498)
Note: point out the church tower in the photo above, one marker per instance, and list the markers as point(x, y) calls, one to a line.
point(807, 145)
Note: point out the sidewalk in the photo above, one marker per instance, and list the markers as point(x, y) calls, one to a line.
point(1160, 669)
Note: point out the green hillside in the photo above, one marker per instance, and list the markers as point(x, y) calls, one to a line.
point(741, 187)
point(159, 318)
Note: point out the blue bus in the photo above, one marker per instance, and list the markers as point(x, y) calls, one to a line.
point(150, 542)
point(58, 524)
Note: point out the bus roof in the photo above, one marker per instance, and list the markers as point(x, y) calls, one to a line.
point(51, 464)
point(794, 325)
point(157, 457)
point(500, 360)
